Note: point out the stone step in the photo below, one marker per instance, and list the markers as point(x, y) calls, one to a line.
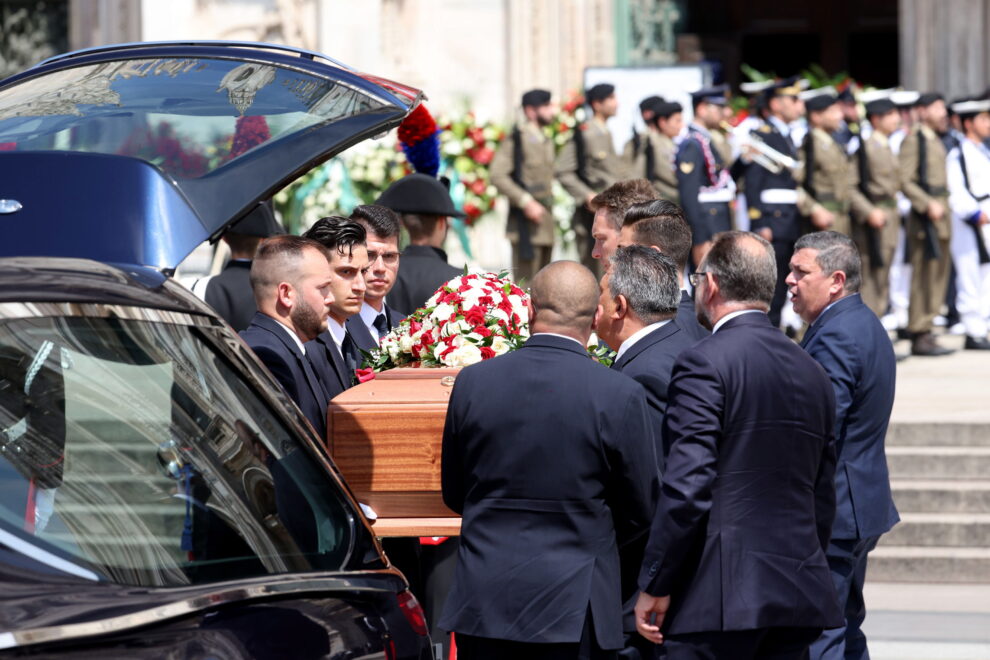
point(941, 495)
point(938, 462)
point(890, 563)
point(931, 434)
point(941, 529)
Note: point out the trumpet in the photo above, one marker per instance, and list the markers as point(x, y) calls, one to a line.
point(755, 149)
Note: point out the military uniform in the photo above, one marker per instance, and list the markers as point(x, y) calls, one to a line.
point(829, 178)
point(534, 180)
point(706, 188)
point(881, 182)
point(924, 180)
point(586, 166)
point(655, 163)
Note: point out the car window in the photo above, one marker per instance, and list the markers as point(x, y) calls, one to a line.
point(136, 450)
point(187, 116)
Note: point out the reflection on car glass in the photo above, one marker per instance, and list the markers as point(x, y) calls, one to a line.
point(243, 82)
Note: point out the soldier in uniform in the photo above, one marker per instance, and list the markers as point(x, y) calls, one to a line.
point(588, 164)
point(656, 159)
point(923, 181)
point(877, 231)
point(638, 140)
point(826, 173)
point(968, 175)
point(522, 170)
point(703, 178)
point(849, 127)
point(772, 196)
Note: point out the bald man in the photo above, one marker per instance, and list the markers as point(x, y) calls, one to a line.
point(549, 457)
point(290, 278)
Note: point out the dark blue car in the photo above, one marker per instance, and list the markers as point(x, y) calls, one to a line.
point(159, 494)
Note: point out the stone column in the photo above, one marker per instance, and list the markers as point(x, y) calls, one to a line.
point(102, 22)
point(945, 46)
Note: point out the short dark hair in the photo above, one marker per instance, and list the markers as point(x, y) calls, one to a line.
point(338, 234)
point(661, 223)
point(835, 252)
point(744, 275)
point(277, 260)
point(620, 196)
point(420, 225)
point(648, 281)
point(378, 220)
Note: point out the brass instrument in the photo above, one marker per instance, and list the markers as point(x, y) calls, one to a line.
point(755, 149)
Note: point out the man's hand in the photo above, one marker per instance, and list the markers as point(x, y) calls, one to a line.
point(766, 233)
point(877, 219)
point(534, 211)
point(650, 611)
point(822, 218)
point(983, 219)
point(935, 210)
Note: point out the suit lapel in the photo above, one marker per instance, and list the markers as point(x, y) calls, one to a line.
point(837, 308)
point(335, 359)
point(272, 326)
point(654, 337)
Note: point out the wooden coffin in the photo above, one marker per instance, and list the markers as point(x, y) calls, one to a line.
point(385, 436)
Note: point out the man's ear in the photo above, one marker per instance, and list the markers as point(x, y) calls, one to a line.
point(285, 295)
point(598, 316)
point(838, 282)
point(531, 313)
point(621, 307)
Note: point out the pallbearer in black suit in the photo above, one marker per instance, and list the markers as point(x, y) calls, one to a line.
point(610, 208)
point(290, 278)
point(772, 194)
point(424, 206)
point(549, 457)
point(376, 318)
point(660, 225)
point(735, 566)
point(334, 353)
point(848, 340)
point(703, 178)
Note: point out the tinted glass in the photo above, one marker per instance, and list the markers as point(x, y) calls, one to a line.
point(135, 450)
point(187, 116)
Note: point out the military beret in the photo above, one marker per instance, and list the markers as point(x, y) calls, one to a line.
point(535, 98)
point(928, 98)
point(419, 193)
point(599, 92)
point(819, 99)
point(879, 107)
point(649, 103)
point(667, 109)
point(846, 95)
point(259, 222)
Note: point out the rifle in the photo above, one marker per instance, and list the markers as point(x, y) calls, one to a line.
point(872, 233)
point(932, 250)
point(522, 222)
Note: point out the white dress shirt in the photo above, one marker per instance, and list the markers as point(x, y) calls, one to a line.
point(636, 336)
point(731, 315)
point(295, 337)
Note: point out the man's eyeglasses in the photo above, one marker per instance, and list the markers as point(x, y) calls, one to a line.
point(388, 258)
point(696, 277)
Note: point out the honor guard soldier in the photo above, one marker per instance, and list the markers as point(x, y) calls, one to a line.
point(850, 127)
point(771, 190)
point(522, 170)
point(656, 159)
point(929, 228)
point(877, 231)
point(968, 170)
point(588, 164)
point(703, 179)
point(638, 140)
point(827, 174)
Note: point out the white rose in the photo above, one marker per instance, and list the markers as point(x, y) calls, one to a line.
point(458, 327)
point(500, 345)
point(500, 314)
point(463, 356)
point(393, 351)
point(406, 343)
point(443, 312)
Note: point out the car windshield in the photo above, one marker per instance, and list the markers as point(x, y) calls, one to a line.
point(132, 448)
point(186, 116)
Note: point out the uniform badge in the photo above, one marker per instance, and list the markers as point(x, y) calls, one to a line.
point(765, 128)
point(754, 213)
point(687, 167)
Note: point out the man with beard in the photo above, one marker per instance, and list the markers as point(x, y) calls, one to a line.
point(290, 277)
point(334, 352)
point(522, 170)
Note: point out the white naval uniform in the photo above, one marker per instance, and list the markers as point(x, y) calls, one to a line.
point(972, 277)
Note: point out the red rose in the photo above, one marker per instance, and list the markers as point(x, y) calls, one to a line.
point(364, 375)
point(475, 315)
point(426, 338)
point(487, 353)
point(482, 331)
point(484, 155)
point(478, 187)
point(472, 210)
point(415, 326)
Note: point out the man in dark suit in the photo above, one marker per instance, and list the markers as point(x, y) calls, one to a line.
point(424, 205)
point(376, 318)
point(735, 566)
point(660, 225)
point(848, 340)
point(334, 352)
point(549, 458)
point(229, 291)
point(290, 278)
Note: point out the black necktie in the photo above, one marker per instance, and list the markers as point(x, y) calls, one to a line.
point(349, 351)
point(381, 325)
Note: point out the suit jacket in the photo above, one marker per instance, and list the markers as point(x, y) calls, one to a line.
point(291, 368)
point(687, 318)
point(748, 496)
point(422, 270)
point(851, 344)
point(649, 362)
point(329, 364)
point(230, 294)
point(547, 456)
point(362, 335)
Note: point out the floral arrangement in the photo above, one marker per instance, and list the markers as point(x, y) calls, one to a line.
point(471, 318)
point(467, 147)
